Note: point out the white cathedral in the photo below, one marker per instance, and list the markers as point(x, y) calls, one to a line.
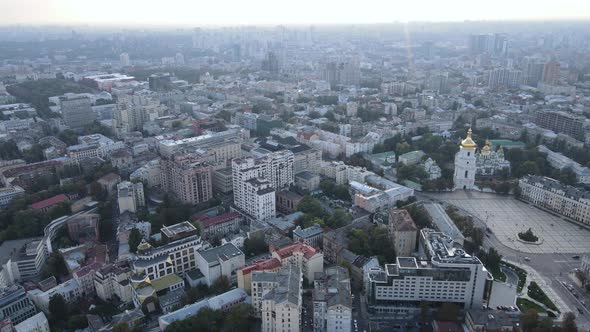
point(468, 163)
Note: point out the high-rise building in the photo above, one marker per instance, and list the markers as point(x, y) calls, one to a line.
point(551, 71)
point(179, 59)
point(124, 60)
point(533, 68)
point(562, 122)
point(447, 275)
point(345, 72)
point(77, 111)
point(465, 164)
point(188, 177)
point(332, 301)
point(271, 63)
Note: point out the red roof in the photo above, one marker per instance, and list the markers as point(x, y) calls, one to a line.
point(289, 250)
point(207, 221)
point(50, 201)
point(88, 269)
point(268, 264)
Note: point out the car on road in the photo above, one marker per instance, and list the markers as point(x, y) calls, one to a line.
point(580, 311)
point(576, 257)
point(527, 259)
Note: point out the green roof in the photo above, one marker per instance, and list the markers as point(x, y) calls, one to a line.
point(165, 282)
point(506, 142)
point(412, 185)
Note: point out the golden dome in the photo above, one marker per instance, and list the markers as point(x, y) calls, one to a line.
point(144, 246)
point(486, 148)
point(468, 142)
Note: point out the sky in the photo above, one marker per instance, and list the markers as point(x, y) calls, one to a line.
point(242, 12)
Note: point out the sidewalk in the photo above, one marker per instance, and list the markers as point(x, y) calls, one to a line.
point(532, 275)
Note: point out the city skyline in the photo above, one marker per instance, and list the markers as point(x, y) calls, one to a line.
point(265, 12)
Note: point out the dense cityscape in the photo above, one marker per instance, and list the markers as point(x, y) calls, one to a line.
point(367, 177)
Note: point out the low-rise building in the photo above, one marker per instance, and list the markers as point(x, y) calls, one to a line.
point(307, 181)
point(549, 194)
point(70, 290)
point(411, 158)
point(15, 305)
point(402, 231)
point(221, 225)
point(223, 302)
point(113, 279)
point(84, 227)
point(37, 323)
point(8, 194)
point(312, 235)
point(220, 261)
point(287, 201)
point(130, 196)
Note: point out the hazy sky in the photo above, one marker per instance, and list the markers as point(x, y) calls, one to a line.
point(237, 12)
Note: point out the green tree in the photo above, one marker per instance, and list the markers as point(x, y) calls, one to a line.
point(448, 312)
point(121, 327)
point(58, 307)
point(238, 318)
point(569, 323)
point(567, 176)
point(527, 168)
point(134, 239)
point(529, 320)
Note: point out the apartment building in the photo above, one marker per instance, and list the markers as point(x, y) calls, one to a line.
point(130, 196)
point(188, 177)
point(402, 231)
point(221, 225)
point(332, 301)
point(25, 261)
point(307, 259)
point(113, 279)
point(562, 122)
point(276, 298)
point(550, 194)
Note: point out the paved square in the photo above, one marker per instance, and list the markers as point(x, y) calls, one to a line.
point(507, 216)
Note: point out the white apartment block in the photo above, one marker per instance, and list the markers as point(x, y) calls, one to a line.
point(130, 196)
point(277, 300)
point(150, 173)
point(332, 301)
point(113, 279)
point(448, 275)
point(549, 194)
point(70, 290)
point(255, 182)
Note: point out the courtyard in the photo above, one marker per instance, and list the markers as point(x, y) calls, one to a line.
point(507, 216)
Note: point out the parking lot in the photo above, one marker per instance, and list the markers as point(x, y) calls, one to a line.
point(507, 216)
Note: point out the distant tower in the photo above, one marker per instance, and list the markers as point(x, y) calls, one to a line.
point(179, 59)
point(465, 164)
point(124, 58)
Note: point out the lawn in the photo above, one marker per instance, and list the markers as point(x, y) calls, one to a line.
point(525, 304)
point(498, 274)
point(536, 293)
